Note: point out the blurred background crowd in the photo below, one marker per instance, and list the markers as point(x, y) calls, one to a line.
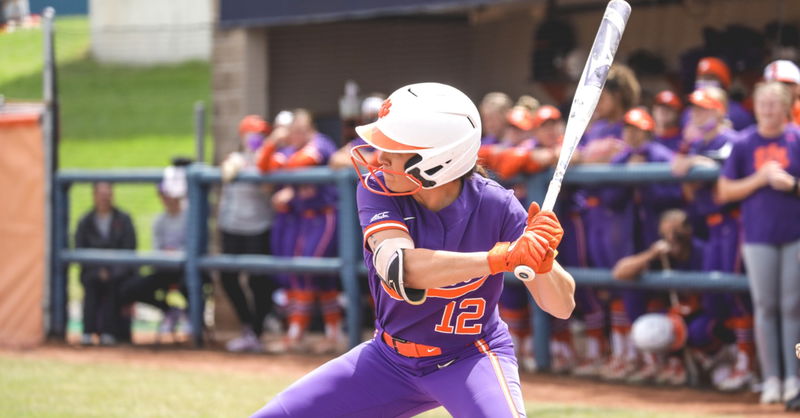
point(732, 102)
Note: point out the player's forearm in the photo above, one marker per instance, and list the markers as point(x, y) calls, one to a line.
point(633, 265)
point(340, 159)
point(729, 190)
point(427, 269)
point(554, 292)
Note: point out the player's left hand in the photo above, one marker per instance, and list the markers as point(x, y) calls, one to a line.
point(536, 248)
point(529, 250)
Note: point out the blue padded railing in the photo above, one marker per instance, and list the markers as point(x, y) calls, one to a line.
point(348, 265)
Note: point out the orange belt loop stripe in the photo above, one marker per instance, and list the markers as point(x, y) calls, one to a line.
point(409, 349)
point(714, 219)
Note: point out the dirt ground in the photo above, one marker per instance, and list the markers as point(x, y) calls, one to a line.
point(536, 387)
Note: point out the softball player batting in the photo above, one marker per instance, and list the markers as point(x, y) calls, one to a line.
point(437, 238)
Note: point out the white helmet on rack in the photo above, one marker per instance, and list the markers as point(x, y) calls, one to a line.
point(437, 122)
point(658, 332)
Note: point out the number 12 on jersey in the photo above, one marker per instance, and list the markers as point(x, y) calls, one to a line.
point(469, 310)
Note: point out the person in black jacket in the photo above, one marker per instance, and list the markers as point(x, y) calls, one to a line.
point(106, 227)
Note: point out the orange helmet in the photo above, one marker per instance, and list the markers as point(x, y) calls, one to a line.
point(705, 99)
point(715, 67)
point(669, 99)
point(639, 118)
point(253, 123)
point(545, 113)
point(521, 118)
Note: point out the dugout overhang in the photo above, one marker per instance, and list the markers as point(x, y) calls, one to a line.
point(248, 13)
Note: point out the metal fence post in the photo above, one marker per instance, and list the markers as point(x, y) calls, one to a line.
point(200, 131)
point(196, 225)
point(348, 245)
point(56, 315)
point(537, 188)
point(58, 272)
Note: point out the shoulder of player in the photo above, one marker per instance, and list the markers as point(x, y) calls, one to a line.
point(660, 152)
point(323, 142)
point(489, 192)
point(746, 135)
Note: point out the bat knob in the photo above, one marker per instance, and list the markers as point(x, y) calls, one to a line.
point(524, 273)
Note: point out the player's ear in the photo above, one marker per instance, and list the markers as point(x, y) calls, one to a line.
point(533, 210)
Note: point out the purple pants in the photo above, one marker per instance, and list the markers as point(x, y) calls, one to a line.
point(367, 382)
point(609, 236)
point(572, 250)
point(722, 249)
point(313, 236)
point(282, 239)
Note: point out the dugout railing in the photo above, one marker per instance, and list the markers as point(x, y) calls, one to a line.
point(348, 265)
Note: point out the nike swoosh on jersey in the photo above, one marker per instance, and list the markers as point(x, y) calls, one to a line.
point(442, 366)
point(409, 218)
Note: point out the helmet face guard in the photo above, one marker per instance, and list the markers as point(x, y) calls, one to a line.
point(358, 160)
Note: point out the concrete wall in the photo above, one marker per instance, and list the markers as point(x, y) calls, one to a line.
point(240, 83)
point(148, 32)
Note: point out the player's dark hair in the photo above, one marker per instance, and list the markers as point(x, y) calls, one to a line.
point(622, 82)
point(476, 169)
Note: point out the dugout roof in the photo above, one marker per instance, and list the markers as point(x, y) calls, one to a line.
point(237, 13)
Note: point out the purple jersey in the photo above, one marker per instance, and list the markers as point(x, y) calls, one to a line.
point(644, 202)
point(769, 216)
point(704, 204)
point(356, 142)
point(599, 129)
point(693, 263)
point(316, 197)
point(490, 140)
point(740, 118)
point(454, 317)
point(671, 139)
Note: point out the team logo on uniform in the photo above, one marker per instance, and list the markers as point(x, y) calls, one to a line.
point(385, 108)
point(771, 152)
point(379, 216)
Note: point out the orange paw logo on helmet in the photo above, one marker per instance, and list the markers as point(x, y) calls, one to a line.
point(385, 108)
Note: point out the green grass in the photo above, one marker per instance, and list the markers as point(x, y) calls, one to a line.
point(48, 388)
point(111, 116)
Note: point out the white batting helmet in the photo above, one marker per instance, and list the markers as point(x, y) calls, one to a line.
point(782, 70)
point(437, 122)
point(658, 332)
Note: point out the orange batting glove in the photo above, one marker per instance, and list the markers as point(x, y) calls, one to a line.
point(546, 224)
point(536, 248)
point(530, 250)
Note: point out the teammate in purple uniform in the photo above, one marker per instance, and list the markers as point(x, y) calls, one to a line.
point(713, 72)
point(601, 142)
point(313, 213)
point(437, 237)
point(632, 214)
point(710, 145)
point(676, 249)
point(762, 172)
point(666, 115)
